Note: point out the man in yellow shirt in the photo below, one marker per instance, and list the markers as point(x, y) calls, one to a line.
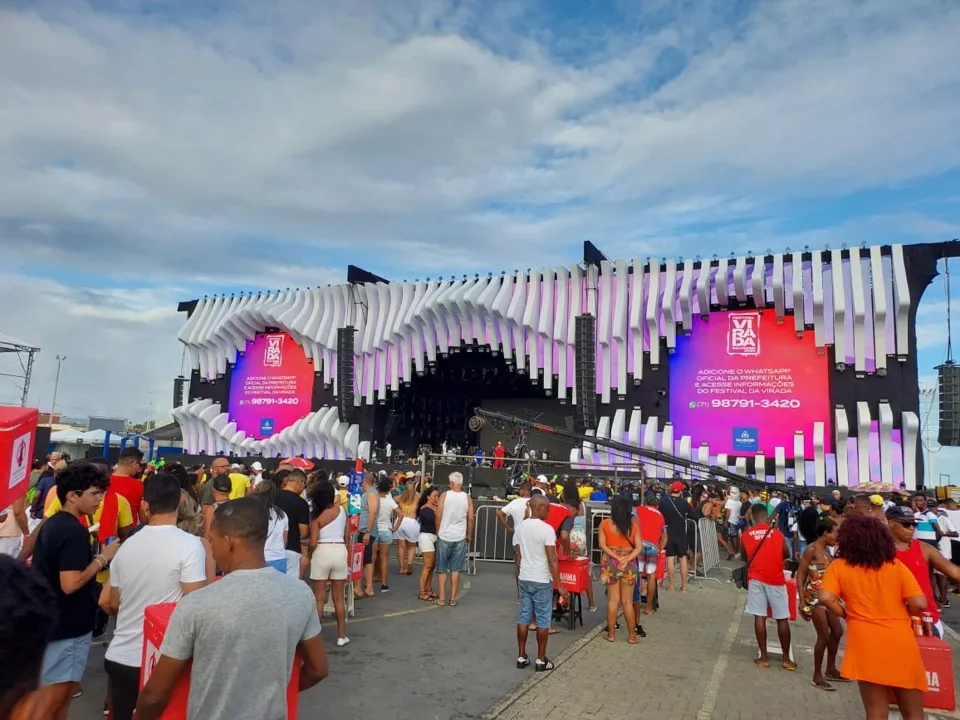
point(240, 481)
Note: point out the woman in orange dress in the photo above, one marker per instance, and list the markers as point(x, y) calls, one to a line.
point(879, 595)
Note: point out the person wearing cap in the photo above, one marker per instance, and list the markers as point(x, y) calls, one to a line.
point(343, 494)
point(919, 557)
point(675, 511)
point(256, 471)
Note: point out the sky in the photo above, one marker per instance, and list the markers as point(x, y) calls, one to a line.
point(156, 151)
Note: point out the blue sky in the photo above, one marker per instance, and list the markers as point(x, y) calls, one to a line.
point(156, 151)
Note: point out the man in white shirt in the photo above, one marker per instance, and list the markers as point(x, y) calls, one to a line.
point(948, 533)
point(516, 510)
point(256, 474)
point(536, 549)
point(454, 530)
point(158, 563)
point(388, 451)
point(731, 513)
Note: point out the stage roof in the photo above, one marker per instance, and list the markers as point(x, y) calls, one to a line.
point(16, 345)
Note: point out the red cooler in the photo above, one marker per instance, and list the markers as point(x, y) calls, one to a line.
point(18, 431)
point(938, 662)
point(574, 574)
point(156, 618)
point(791, 597)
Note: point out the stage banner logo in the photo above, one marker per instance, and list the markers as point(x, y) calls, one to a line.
point(271, 386)
point(744, 383)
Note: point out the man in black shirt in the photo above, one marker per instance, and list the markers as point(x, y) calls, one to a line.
point(64, 556)
point(297, 511)
point(675, 511)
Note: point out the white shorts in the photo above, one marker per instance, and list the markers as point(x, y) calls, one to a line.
point(11, 546)
point(409, 530)
point(427, 542)
point(649, 567)
point(329, 562)
point(761, 597)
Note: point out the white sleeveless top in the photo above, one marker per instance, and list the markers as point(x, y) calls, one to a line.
point(453, 524)
point(333, 532)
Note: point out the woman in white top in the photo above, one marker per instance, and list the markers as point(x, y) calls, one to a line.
point(409, 532)
point(388, 522)
point(275, 548)
point(329, 539)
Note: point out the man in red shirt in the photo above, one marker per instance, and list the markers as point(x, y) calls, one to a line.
point(653, 532)
point(765, 549)
point(126, 480)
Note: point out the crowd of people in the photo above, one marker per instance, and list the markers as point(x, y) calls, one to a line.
point(107, 541)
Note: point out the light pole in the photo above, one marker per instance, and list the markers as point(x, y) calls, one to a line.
point(56, 386)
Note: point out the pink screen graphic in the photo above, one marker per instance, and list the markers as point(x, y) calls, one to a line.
point(743, 383)
point(271, 386)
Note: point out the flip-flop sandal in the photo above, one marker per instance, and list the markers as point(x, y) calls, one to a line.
point(633, 641)
point(608, 638)
point(789, 666)
point(761, 663)
point(838, 679)
point(437, 602)
point(453, 603)
point(554, 631)
point(425, 597)
point(825, 687)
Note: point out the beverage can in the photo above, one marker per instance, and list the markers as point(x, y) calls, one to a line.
point(917, 624)
point(927, 624)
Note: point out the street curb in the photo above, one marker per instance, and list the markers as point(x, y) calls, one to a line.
point(531, 682)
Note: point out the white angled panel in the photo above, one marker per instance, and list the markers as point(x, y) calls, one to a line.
point(603, 433)
point(819, 458)
point(842, 434)
point(911, 434)
point(636, 318)
point(879, 308)
point(799, 462)
point(863, 442)
point(740, 465)
point(605, 330)
point(518, 305)
point(703, 289)
point(779, 303)
point(796, 282)
point(839, 306)
point(819, 321)
point(760, 464)
point(620, 334)
point(575, 300)
point(720, 283)
point(886, 443)
point(650, 443)
point(666, 439)
point(588, 446)
point(739, 279)
point(685, 448)
point(546, 322)
point(703, 454)
point(758, 282)
point(780, 465)
point(859, 312)
point(617, 429)
point(653, 312)
point(901, 301)
point(574, 457)
point(636, 428)
point(669, 305)
point(723, 461)
point(686, 296)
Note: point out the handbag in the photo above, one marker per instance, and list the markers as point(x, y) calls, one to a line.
point(739, 576)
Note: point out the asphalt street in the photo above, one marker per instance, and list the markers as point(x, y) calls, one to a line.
point(407, 659)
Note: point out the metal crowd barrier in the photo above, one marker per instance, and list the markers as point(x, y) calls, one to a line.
point(491, 541)
point(705, 544)
point(596, 513)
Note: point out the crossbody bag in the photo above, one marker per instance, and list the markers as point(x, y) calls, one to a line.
point(740, 574)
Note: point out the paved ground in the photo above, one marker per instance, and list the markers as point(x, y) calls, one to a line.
point(408, 660)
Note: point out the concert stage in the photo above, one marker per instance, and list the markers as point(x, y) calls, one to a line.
point(798, 367)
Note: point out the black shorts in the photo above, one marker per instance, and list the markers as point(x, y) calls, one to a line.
point(677, 546)
point(124, 688)
point(955, 548)
point(367, 549)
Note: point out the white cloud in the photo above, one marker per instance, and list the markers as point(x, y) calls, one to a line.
point(270, 142)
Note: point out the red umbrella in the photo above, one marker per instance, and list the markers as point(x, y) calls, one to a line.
point(299, 463)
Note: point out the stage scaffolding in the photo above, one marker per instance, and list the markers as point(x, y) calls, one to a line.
point(24, 355)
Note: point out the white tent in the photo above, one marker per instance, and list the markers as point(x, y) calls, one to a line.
point(67, 436)
point(96, 437)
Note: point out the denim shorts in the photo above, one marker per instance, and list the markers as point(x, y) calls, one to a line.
point(761, 597)
point(381, 537)
point(451, 556)
point(65, 660)
point(536, 601)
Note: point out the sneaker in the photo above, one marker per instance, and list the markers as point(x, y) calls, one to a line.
point(342, 641)
point(544, 665)
point(640, 631)
point(945, 603)
point(385, 588)
point(523, 662)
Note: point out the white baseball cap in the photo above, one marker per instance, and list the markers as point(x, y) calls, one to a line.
point(542, 479)
point(343, 481)
point(257, 467)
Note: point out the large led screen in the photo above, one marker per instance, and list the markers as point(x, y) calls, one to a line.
point(743, 383)
point(271, 386)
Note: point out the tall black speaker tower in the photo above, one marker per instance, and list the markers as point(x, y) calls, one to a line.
point(585, 335)
point(179, 383)
point(948, 380)
point(345, 377)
